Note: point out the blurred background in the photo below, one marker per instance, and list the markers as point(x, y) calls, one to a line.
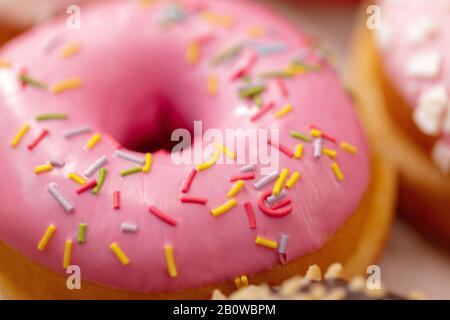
point(409, 262)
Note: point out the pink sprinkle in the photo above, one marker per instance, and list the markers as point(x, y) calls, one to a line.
point(282, 148)
point(246, 176)
point(250, 214)
point(113, 142)
point(38, 139)
point(244, 66)
point(116, 199)
point(196, 200)
point(89, 185)
point(324, 135)
point(262, 111)
point(281, 204)
point(282, 86)
point(188, 181)
point(162, 216)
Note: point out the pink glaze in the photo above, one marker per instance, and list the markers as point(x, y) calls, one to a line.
point(413, 29)
point(128, 64)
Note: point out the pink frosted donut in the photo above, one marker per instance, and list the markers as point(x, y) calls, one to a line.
point(69, 99)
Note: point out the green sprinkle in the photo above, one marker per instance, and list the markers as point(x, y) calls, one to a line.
point(274, 74)
point(32, 82)
point(51, 116)
point(299, 135)
point(258, 100)
point(127, 172)
point(100, 180)
point(250, 92)
point(82, 232)
point(226, 55)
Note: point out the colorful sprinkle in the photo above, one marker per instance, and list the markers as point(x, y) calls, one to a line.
point(53, 190)
point(270, 49)
point(226, 55)
point(130, 171)
point(88, 186)
point(292, 180)
point(216, 19)
point(208, 164)
point(193, 52)
point(282, 87)
point(224, 208)
point(256, 32)
point(100, 180)
point(43, 168)
point(329, 152)
point(76, 178)
point(248, 168)
point(271, 244)
point(322, 134)
point(27, 80)
point(116, 200)
point(46, 237)
point(244, 67)
point(213, 84)
point(282, 249)
point(16, 140)
point(315, 133)
point(65, 85)
point(147, 163)
point(251, 90)
point(349, 148)
point(76, 131)
point(67, 254)
point(162, 216)
point(188, 181)
point(119, 254)
point(274, 213)
point(235, 189)
point(93, 140)
point(301, 136)
point(281, 147)
point(101, 162)
point(250, 215)
point(5, 64)
point(284, 111)
point(129, 157)
point(70, 50)
point(262, 111)
point(170, 261)
point(58, 163)
point(274, 198)
point(230, 154)
point(195, 200)
point(82, 228)
point(317, 148)
point(280, 182)
point(298, 151)
point(128, 227)
point(281, 204)
point(241, 282)
point(337, 171)
point(51, 116)
point(246, 176)
point(38, 139)
point(266, 180)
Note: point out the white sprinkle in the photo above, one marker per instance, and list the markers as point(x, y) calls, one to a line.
point(429, 113)
point(282, 248)
point(128, 227)
point(53, 190)
point(129, 157)
point(76, 131)
point(317, 148)
point(424, 65)
point(96, 166)
point(266, 180)
point(57, 163)
point(248, 168)
point(441, 156)
point(272, 199)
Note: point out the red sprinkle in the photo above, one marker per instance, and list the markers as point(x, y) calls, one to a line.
point(245, 176)
point(282, 148)
point(161, 215)
point(262, 111)
point(38, 139)
point(250, 214)
point(89, 185)
point(196, 200)
point(282, 86)
point(274, 213)
point(324, 135)
point(116, 199)
point(113, 142)
point(281, 204)
point(245, 68)
point(188, 181)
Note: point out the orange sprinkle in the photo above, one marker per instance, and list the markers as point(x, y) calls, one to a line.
point(70, 49)
point(5, 64)
point(213, 84)
point(193, 52)
point(68, 84)
point(218, 20)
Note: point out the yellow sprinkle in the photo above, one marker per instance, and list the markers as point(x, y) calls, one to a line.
point(237, 283)
point(284, 111)
point(244, 281)
point(292, 180)
point(5, 64)
point(294, 70)
point(20, 135)
point(93, 141)
point(47, 236)
point(315, 133)
point(329, 152)
point(280, 181)
point(230, 154)
point(43, 168)
point(67, 254)
point(68, 84)
point(349, 148)
point(70, 50)
point(337, 171)
point(213, 84)
point(193, 52)
point(266, 242)
point(147, 3)
point(76, 178)
point(256, 32)
point(208, 164)
point(218, 19)
point(119, 253)
point(298, 151)
point(224, 208)
point(148, 163)
point(241, 281)
point(170, 261)
point(236, 188)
